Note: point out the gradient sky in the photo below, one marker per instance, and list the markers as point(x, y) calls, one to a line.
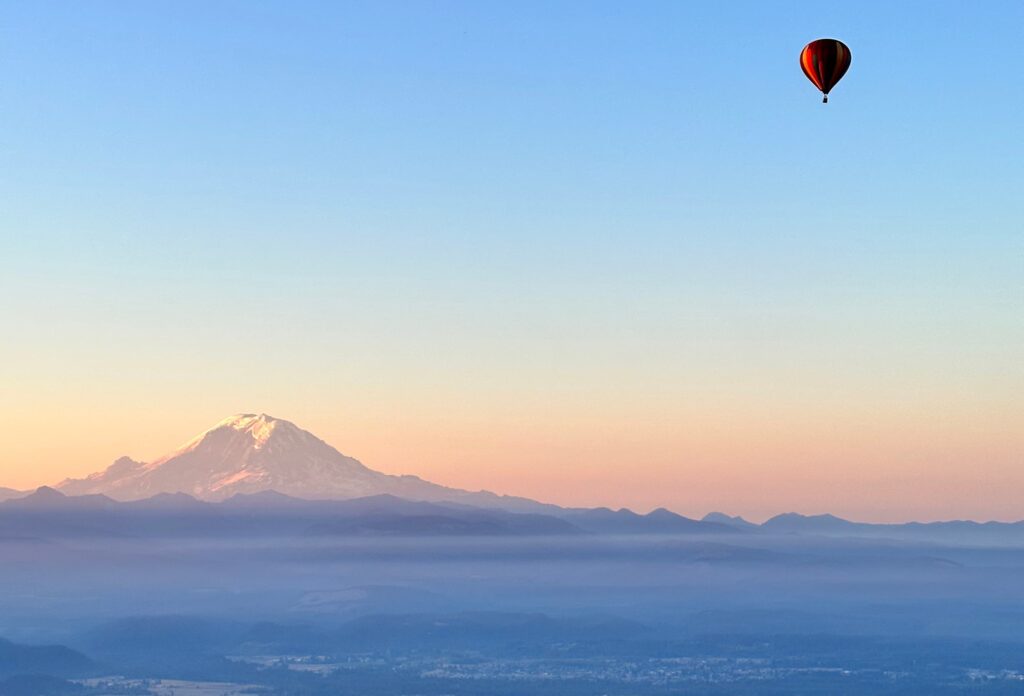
point(592, 253)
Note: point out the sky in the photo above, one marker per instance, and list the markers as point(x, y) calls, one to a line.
point(592, 253)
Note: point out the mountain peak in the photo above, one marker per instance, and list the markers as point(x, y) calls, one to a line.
point(47, 498)
point(794, 521)
point(245, 421)
point(260, 427)
point(722, 518)
point(255, 452)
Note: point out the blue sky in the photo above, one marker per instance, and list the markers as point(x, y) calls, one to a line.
point(606, 209)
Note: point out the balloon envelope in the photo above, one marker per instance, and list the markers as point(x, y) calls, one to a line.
point(824, 62)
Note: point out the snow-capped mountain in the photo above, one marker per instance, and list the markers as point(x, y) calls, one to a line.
point(250, 453)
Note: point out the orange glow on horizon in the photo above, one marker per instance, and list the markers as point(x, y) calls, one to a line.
point(878, 467)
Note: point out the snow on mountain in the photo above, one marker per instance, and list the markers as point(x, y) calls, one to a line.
point(250, 453)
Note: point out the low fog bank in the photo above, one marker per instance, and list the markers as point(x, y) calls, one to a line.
point(550, 614)
point(53, 588)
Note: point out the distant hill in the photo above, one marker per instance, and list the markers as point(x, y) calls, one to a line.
point(49, 513)
point(50, 660)
point(964, 531)
point(155, 635)
point(8, 493)
point(791, 522)
point(45, 498)
point(736, 522)
point(660, 521)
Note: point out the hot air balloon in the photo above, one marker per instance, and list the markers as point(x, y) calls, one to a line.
point(824, 62)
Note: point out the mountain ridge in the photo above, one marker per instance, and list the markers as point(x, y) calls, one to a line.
point(9, 493)
point(732, 521)
point(48, 511)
